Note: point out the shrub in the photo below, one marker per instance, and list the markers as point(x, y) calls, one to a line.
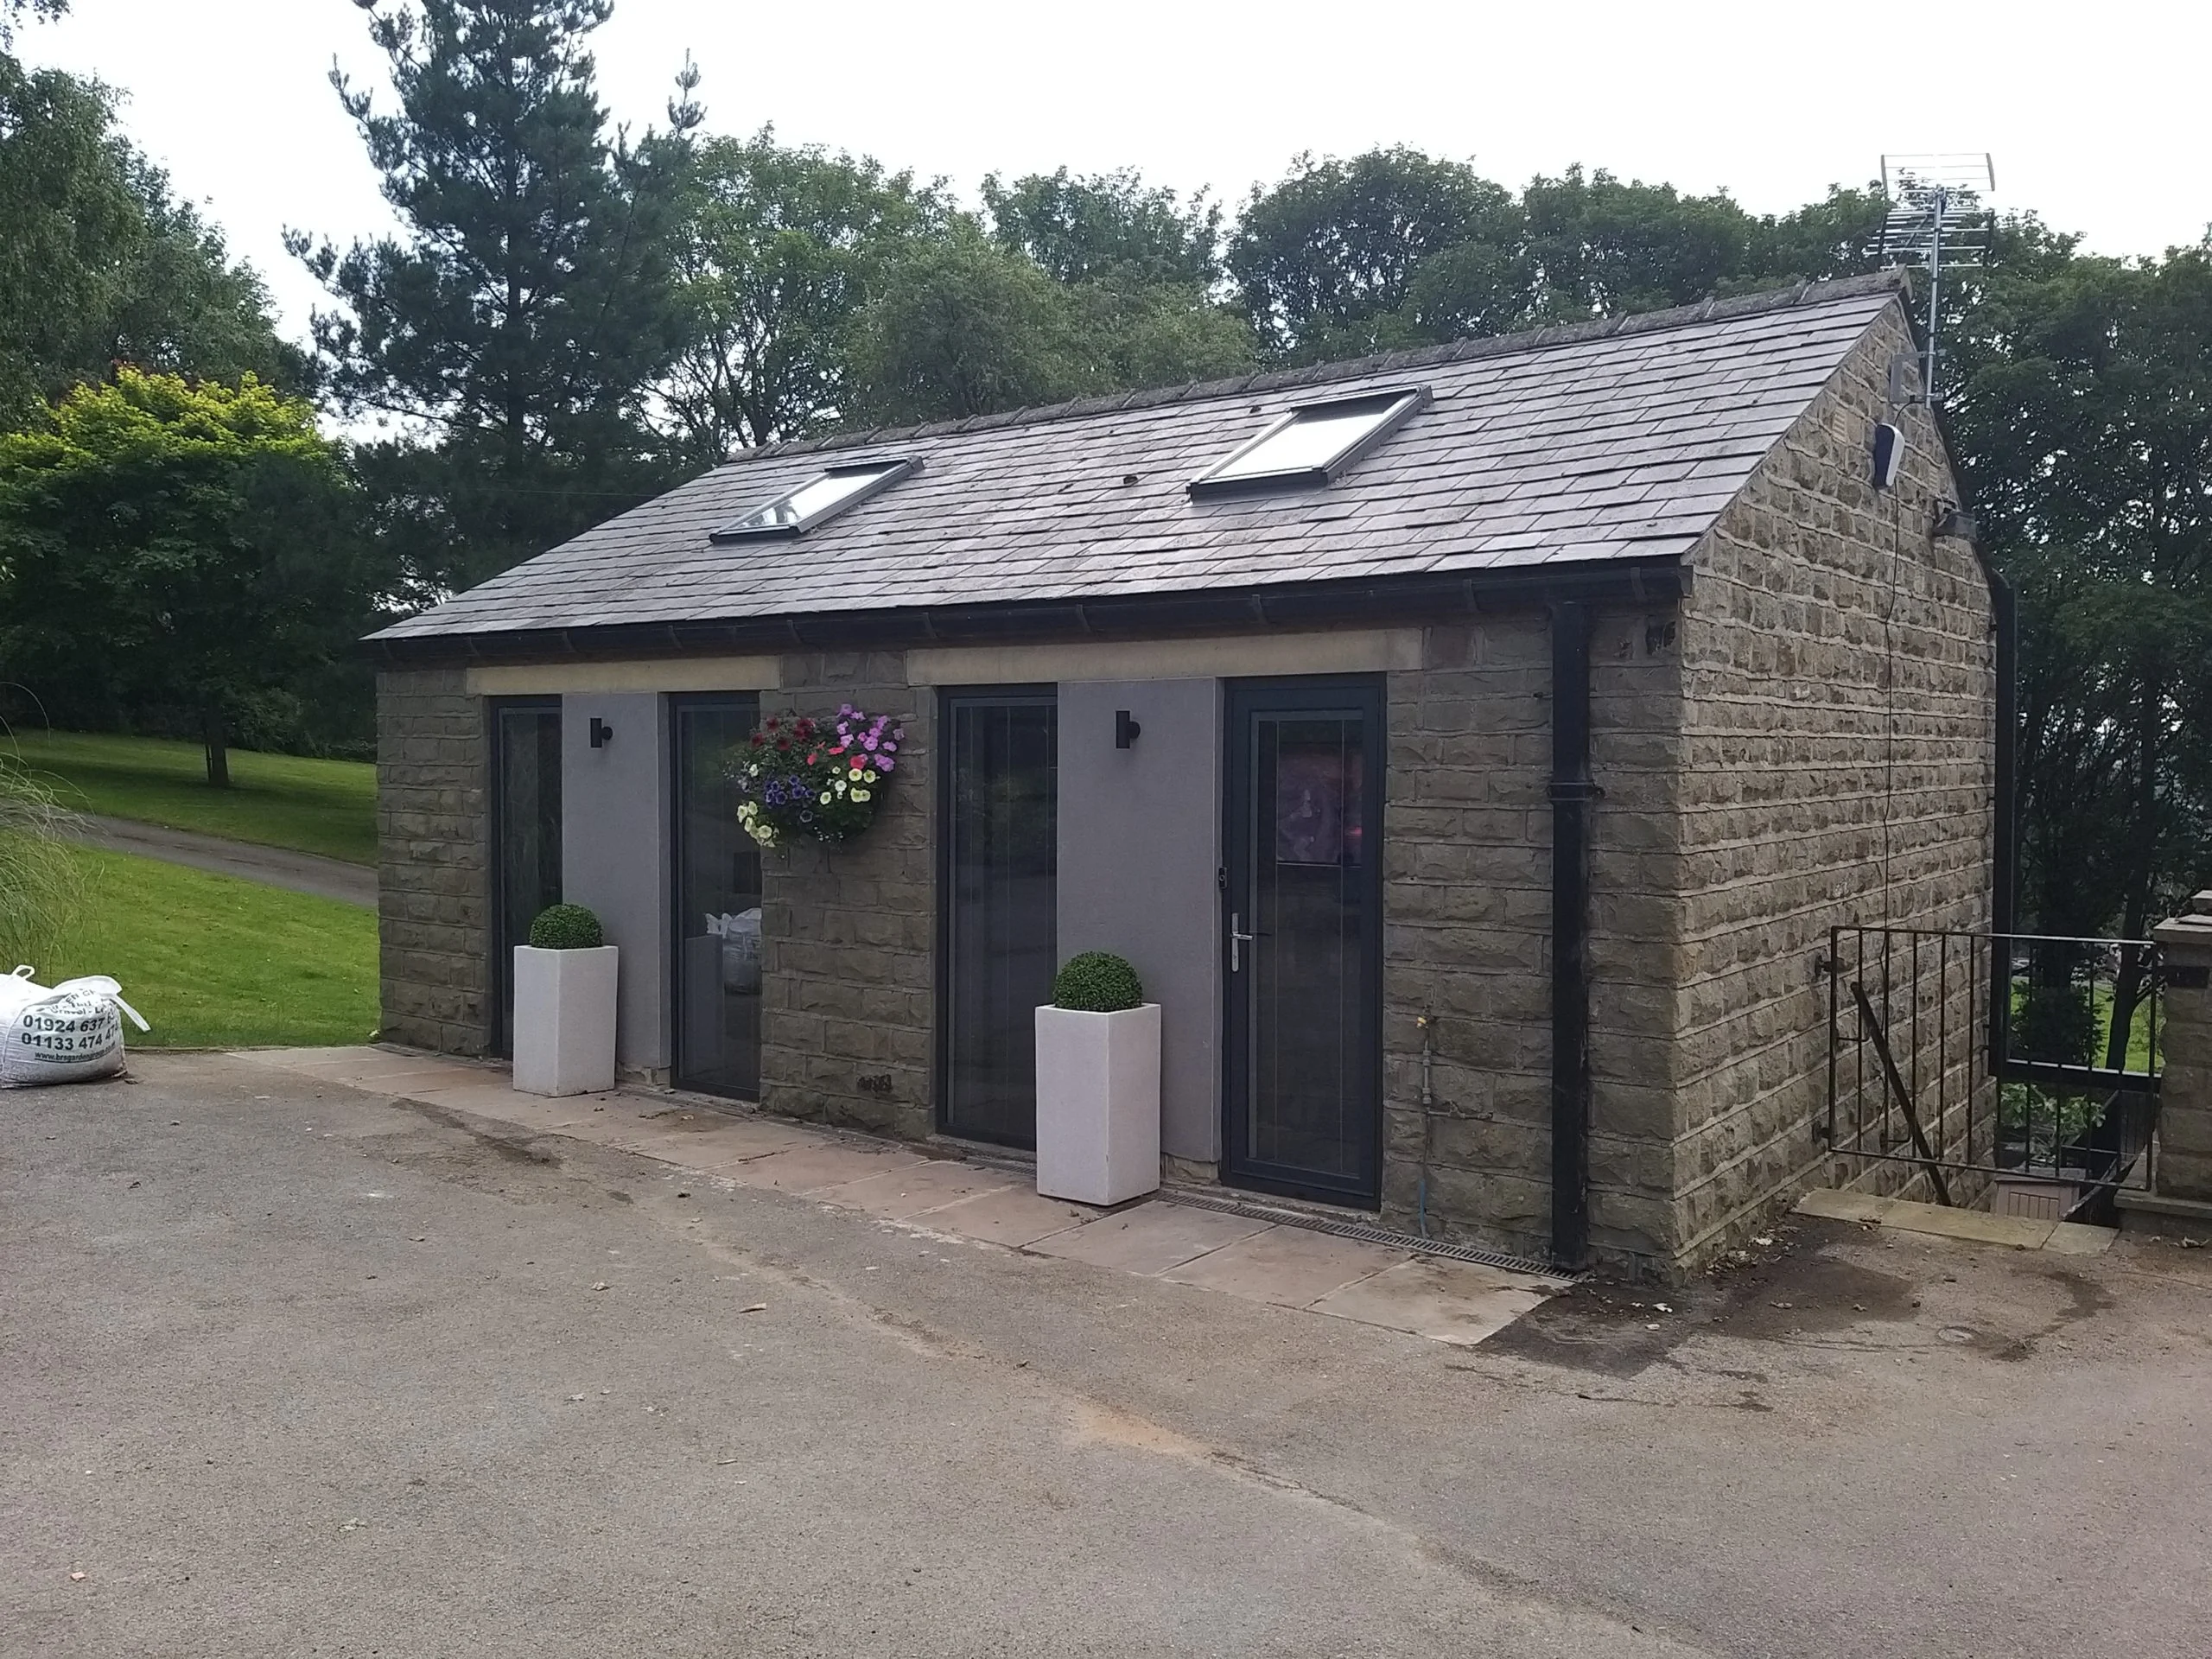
point(41, 880)
point(2056, 1024)
point(1097, 981)
point(566, 927)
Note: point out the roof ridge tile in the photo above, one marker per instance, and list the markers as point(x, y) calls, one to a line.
point(1713, 308)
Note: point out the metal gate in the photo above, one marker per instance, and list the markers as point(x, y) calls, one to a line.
point(1995, 1061)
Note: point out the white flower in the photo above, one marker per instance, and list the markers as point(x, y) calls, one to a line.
point(860, 795)
point(825, 798)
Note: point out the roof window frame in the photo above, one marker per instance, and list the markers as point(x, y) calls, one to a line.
point(887, 472)
point(1402, 402)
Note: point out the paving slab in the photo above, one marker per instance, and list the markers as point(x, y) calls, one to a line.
point(1458, 1302)
point(1150, 1238)
point(816, 1169)
point(2073, 1238)
point(898, 1193)
point(315, 1060)
point(714, 1147)
point(2018, 1232)
point(1290, 1266)
point(1844, 1206)
point(1014, 1215)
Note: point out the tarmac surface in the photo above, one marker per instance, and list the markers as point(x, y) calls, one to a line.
point(273, 866)
point(292, 1368)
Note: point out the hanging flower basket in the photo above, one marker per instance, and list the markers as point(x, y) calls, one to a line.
point(815, 780)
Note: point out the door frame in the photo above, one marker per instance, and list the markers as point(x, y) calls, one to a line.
point(673, 706)
point(1241, 698)
point(498, 1020)
point(941, 813)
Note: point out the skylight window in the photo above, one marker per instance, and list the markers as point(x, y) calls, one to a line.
point(1313, 443)
point(822, 497)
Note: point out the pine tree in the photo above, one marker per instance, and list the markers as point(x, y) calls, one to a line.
point(527, 306)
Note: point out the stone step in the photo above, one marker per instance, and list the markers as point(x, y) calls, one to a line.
point(1943, 1220)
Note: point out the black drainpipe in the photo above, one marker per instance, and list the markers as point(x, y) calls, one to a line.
point(2006, 855)
point(1572, 794)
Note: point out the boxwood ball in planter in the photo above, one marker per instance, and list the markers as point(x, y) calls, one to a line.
point(564, 982)
point(566, 927)
point(1097, 981)
point(1098, 1083)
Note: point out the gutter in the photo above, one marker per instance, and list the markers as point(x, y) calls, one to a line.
point(1425, 598)
point(1573, 795)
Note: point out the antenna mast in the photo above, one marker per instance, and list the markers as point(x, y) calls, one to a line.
point(1939, 217)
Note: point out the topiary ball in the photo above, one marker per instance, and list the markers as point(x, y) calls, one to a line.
point(566, 927)
point(1097, 981)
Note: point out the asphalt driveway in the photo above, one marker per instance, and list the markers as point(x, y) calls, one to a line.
point(287, 1369)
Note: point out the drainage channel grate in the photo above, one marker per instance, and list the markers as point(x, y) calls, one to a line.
point(1365, 1234)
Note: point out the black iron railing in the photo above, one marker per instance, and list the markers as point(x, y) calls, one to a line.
point(1983, 1056)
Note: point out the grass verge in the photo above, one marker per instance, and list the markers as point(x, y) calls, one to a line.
point(214, 962)
point(274, 800)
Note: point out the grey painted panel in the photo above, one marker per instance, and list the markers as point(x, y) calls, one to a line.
point(614, 851)
point(1140, 844)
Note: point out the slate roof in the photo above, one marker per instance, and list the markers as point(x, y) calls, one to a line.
point(1619, 439)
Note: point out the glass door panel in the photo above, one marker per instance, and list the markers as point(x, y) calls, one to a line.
point(718, 929)
point(526, 835)
point(1000, 895)
point(1304, 1100)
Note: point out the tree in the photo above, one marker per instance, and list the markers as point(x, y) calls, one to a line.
point(530, 306)
point(100, 264)
point(163, 544)
point(2084, 416)
point(11, 12)
point(1108, 226)
point(1324, 262)
point(963, 327)
point(780, 248)
point(1597, 246)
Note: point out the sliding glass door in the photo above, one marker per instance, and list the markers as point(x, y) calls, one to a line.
point(525, 839)
point(717, 928)
point(999, 892)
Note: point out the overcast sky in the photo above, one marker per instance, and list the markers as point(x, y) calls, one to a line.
point(2096, 114)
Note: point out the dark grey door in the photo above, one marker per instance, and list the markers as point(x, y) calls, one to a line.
point(1303, 916)
point(526, 838)
point(717, 931)
point(998, 836)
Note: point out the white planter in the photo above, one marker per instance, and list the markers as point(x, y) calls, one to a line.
point(1098, 1104)
point(564, 1019)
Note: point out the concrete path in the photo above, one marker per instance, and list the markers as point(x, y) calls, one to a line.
point(273, 866)
point(296, 1367)
point(1292, 1266)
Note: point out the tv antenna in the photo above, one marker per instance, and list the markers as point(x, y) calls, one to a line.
point(1939, 217)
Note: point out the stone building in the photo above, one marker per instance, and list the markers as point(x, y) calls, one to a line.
point(1470, 746)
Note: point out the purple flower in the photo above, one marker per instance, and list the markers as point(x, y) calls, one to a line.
point(868, 742)
point(884, 763)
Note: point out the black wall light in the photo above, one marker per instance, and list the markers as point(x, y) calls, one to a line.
point(1126, 730)
point(601, 733)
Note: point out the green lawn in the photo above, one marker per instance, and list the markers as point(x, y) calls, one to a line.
point(277, 800)
point(214, 961)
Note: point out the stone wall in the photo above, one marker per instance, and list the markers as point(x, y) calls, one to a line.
point(2183, 1168)
point(848, 933)
point(1467, 934)
point(433, 872)
point(1839, 672)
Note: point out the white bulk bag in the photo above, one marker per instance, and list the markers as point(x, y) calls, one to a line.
point(64, 1034)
